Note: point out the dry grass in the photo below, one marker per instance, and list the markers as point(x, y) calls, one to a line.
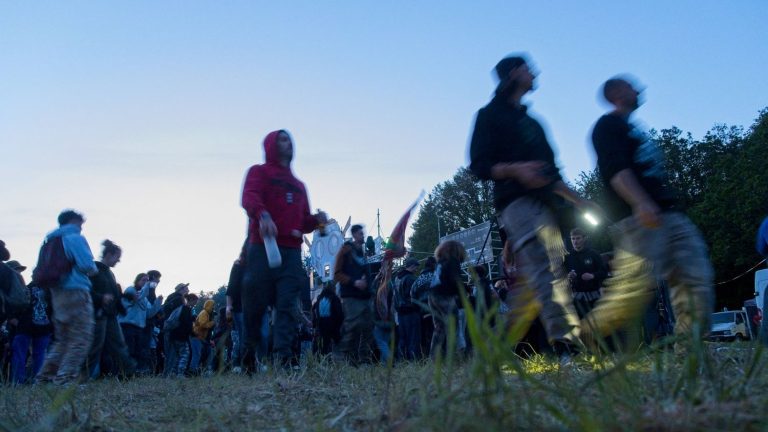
point(713, 388)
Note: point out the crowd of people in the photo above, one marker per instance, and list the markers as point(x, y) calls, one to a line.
point(77, 321)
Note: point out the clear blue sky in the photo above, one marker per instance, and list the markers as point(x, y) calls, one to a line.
point(145, 115)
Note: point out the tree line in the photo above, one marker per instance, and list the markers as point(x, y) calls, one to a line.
point(722, 181)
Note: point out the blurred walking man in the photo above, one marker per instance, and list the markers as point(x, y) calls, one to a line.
point(655, 240)
point(510, 147)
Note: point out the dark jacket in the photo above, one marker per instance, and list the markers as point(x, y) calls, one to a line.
point(235, 285)
point(171, 303)
point(328, 325)
point(351, 265)
point(103, 283)
point(586, 261)
point(184, 330)
point(403, 295)
point(505, 133)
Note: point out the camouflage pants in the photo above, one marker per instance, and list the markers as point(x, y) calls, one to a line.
point(674, 252)
point(73, 334)
point(538, 249)
point(443, 308)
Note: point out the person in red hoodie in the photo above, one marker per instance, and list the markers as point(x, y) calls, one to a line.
point(277, 206)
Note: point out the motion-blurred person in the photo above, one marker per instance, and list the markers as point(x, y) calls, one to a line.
point(420, 295)
point(762, 248)
point(510, 147)
point(174, 301)
point(201, 332)
point(653, 238)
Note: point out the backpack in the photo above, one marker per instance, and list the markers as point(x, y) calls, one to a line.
point(14, 296)
point(420, 288)
point(324, 308)
point(52, 264)
point(174, 319)
point(39, 307)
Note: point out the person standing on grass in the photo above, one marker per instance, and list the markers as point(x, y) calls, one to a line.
point(653, 238)
point(352, 273)
point(107, 303)
point(420, 294)
point(148, 344)
point(234, 309)
point(174, 301)
point(511, 148)
point(201, 330)
point(278, 208)
point(72, 305)
point(327, 319)
point(408, 312)
point(137, 309)
point(178, 361)
point(586, 272)
point(444, 292)
point(762, 248)
point(32, 327)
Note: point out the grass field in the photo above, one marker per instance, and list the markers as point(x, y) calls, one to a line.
point(714, 387)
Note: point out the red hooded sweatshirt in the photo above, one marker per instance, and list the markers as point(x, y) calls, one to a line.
point(272, 187)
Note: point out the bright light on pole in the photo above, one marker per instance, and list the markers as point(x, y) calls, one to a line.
point(591, 219)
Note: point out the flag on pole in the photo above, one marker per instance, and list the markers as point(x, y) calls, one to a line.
point(395, 245)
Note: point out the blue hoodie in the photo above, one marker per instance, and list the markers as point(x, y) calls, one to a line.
point(79, 253)
point(762, 239)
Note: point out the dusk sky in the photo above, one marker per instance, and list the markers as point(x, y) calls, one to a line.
point(145, 115)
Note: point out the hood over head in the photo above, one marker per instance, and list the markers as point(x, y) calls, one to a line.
point(208, 306)
point(271, 153)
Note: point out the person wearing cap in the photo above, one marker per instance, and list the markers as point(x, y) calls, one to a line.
point(653, 238)
point(72, 305)
point(352, 272)
point(408, 312)
point(510, 147)
point(277, 205)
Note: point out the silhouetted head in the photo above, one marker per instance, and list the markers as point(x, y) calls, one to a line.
point(70, 216)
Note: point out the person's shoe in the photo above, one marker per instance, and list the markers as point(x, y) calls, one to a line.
point(237, 370)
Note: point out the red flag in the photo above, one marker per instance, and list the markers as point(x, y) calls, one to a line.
point(395, 246)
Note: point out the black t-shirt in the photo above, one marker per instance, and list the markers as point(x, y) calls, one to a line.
point(505, 133)
point(619, 146)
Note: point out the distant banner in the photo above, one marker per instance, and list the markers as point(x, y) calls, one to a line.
point(473, 239)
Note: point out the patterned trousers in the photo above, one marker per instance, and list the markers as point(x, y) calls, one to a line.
point(538, 248)
point(73, 334)
point(674, 252)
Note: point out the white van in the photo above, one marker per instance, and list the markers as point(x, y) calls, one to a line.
point(730, 325)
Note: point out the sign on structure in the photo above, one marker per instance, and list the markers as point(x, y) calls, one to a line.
point(473, 239)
